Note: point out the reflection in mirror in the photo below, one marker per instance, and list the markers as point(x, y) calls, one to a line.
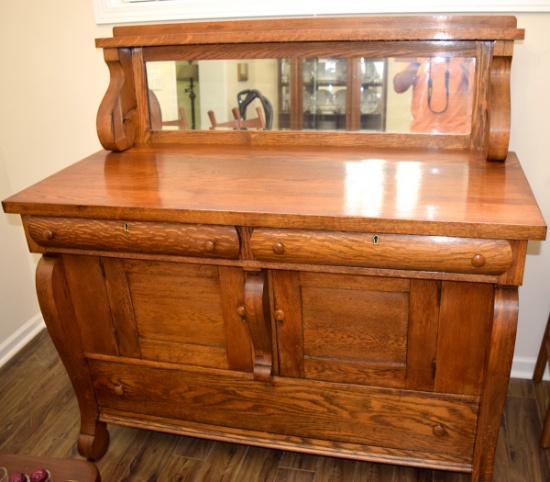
point(424, 95)
point(441, 90)
point(329, 93)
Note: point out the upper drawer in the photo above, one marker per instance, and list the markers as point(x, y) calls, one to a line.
point(135, 236)
point(389, 251)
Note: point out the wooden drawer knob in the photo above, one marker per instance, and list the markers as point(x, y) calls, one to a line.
point(209, 246)
point(241, 311)
point(439, 431)
point(478, 260)
point(119, 389)
point(278, 248)
point(48, 234)
point(279, 315)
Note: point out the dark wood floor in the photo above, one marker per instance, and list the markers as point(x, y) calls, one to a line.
point(39, 416)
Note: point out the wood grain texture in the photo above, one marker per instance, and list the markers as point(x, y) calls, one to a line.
point(57, 309)
point(301, 188)
point(333, 294)
point(323, 411)
point(463, 337)
point(258, 319)
point(422, 341)
point(159, 238)
point(498, 365)
point(47, 425)
point(499, 108)
point(423, 253)
point(296, 39)
point(448, 27)
point(116, 115)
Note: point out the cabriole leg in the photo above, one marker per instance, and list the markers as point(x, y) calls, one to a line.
point(58, 313)
point(497, 377)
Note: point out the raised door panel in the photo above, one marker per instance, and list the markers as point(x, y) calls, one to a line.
point(464, 337)
point(179, 313)
point(89, 296)
point(356, 329)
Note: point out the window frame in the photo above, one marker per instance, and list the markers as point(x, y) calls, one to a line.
point(139, 11)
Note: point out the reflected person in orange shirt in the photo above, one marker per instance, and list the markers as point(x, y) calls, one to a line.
point(442, 95)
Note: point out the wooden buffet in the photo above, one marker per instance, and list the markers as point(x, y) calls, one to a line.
point(350, 293)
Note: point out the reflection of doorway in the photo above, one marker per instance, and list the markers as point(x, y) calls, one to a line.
point(188, 89)
point(160, 79)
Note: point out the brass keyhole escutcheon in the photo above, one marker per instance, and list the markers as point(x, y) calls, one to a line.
point(376, 240)
point(126, 227)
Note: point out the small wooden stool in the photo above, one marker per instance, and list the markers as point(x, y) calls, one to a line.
point(544, 356)
point(61, 469)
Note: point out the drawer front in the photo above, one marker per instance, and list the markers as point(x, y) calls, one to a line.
point(389, 251)
point(442, 426)
point(135, 236)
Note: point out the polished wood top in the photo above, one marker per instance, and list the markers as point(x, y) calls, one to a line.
point(398, 28)
point(451, 193)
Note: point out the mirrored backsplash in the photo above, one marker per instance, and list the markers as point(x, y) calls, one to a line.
point(395, 95)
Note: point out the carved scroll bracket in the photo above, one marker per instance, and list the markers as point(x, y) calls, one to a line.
point(499, 102)
point(256, 300)
point(116, 123)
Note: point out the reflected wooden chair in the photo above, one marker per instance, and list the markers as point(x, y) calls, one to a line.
point(238, 123)
point(233, 124)
point(256, 123)
point(542, 360)
point(156, 115)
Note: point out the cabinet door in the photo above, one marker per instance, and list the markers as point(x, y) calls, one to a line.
point(166, 312)
point(357, 329)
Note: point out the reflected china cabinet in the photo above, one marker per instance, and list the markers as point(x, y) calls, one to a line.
point(333, 94)
point(338, 292)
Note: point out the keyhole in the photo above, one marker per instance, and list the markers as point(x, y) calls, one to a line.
point(375, 239)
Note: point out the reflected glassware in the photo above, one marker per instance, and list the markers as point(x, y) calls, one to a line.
point(368, 71)
point(340, 100)
point(341, 70)
point(324, 101)
point(308, 71)
point(370, 101)
point(285, 70)
point(3, 474)
point(308, 101)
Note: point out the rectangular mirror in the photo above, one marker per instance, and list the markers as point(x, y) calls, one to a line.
point(396, 95)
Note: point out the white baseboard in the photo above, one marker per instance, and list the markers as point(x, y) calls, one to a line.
point(20, 338)
point(523, 367)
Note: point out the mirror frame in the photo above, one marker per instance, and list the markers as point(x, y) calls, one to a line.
point(123, 117)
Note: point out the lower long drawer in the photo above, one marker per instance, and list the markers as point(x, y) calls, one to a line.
point(442, 426)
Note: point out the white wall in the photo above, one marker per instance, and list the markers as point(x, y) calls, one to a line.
point(530, 134)
point(53, 79)
point(18, 307)
point(51, 83)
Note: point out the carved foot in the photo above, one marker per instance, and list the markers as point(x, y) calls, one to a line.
point(94, 446)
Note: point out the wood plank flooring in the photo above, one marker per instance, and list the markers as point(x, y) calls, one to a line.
point(39, 416)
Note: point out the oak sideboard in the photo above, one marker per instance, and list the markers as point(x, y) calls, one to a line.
point(338, 290)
